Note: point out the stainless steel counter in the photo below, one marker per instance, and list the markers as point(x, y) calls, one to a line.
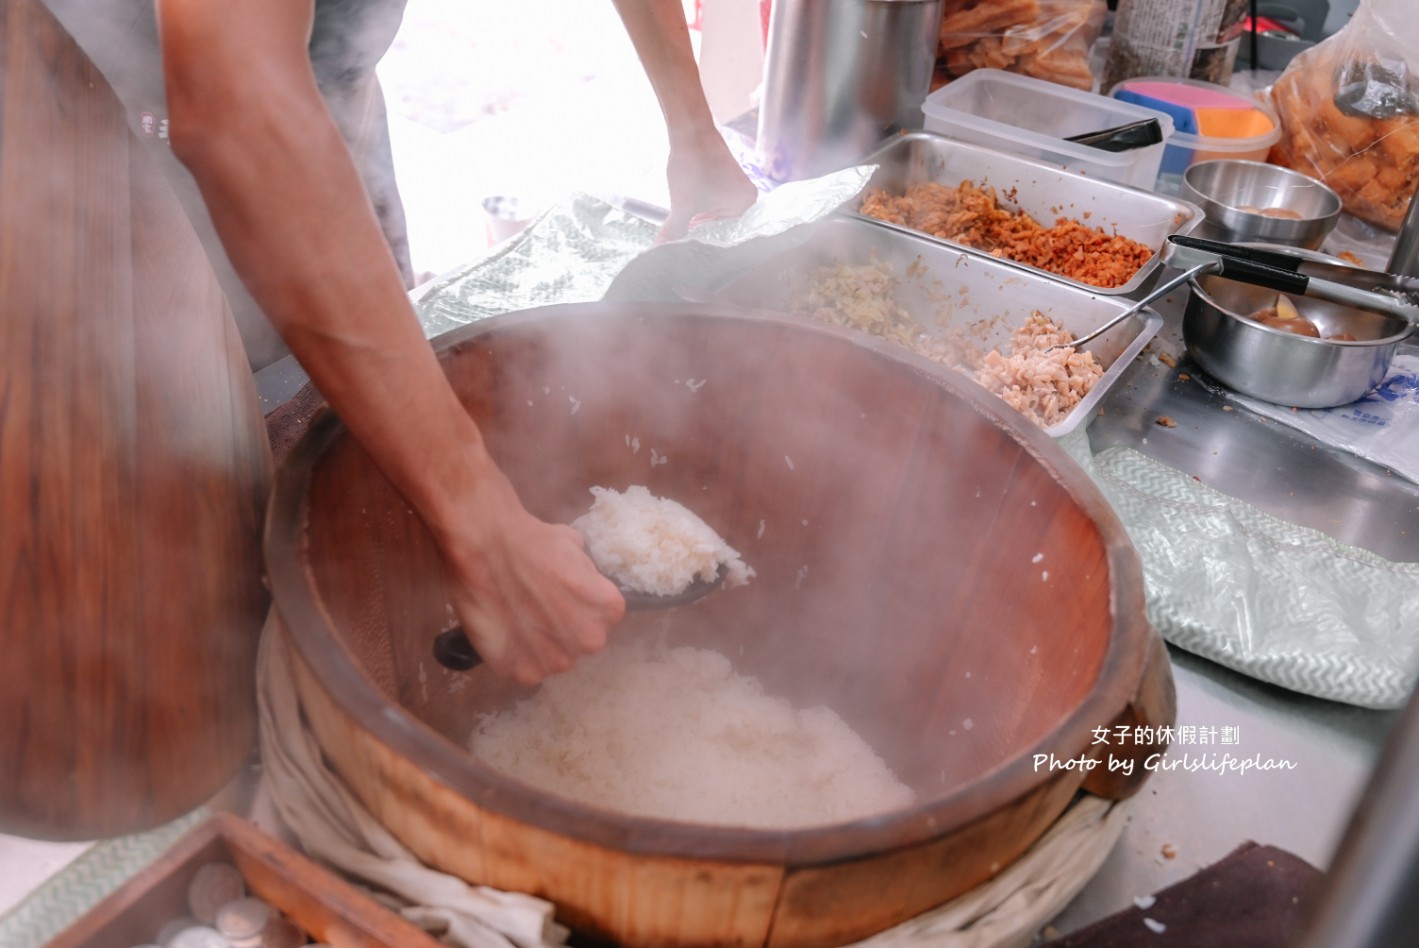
point(1200, 816)
point(1271, 466)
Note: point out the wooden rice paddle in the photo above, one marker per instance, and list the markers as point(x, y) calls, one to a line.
point(133, 469)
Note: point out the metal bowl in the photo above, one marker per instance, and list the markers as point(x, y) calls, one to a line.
point(1225, 187)
point(1280, 367)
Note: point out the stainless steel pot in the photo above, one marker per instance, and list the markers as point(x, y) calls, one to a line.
point(1280, 367)
point(840, 76)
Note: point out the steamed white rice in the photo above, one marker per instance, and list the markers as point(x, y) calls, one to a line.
point(676, 733)
point(654, 545)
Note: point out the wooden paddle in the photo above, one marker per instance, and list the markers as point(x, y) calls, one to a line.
point(134, 469)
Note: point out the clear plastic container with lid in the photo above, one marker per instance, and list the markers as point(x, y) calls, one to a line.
point(1033, 118)
point(1209, 121)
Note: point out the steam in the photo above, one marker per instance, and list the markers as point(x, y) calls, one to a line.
point(348, 40)
point(844, 489)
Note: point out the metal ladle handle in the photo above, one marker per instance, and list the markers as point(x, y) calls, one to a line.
point(1162, 289)
point(454, 650)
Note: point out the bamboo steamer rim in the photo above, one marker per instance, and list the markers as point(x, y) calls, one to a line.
point(309, 630)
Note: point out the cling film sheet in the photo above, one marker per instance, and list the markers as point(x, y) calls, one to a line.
point(1279, 602)
point(584, 249)
point(567, 255)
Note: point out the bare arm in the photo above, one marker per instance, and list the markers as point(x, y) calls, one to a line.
point(705, 180)
point(288, 204)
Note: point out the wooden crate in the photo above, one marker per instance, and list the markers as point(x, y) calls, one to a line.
point(327, 907)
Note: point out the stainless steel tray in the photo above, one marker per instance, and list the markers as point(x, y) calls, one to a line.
point(1042, 190)
point(946, 287)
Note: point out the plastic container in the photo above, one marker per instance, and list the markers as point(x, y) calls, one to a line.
point(1195, 106)
point(1031, 117)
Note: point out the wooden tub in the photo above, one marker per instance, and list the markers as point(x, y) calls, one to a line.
point(930, 566)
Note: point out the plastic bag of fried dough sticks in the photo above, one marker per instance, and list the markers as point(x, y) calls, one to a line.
point(1046, 39)
point(1349, 110)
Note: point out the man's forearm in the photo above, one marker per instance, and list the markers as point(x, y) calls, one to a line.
point(290, 208)
point(657, 30)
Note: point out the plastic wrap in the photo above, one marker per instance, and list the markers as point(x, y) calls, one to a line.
point(1279, 602)
point(1046, 39)
point(1382, 427)
point(584, 249)
point(569, 254)
point(1349, 110)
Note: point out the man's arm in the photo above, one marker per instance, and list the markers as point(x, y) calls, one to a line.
point(705, 180)
point(248, 120)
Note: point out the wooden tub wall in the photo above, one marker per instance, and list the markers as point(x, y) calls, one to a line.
point(918, 571)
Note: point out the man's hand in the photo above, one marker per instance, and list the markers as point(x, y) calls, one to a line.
point(706, 183)
point(529, 597)
point(705, 180)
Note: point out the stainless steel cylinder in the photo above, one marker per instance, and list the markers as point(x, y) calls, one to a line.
point(1404, 260)
point(840, 76)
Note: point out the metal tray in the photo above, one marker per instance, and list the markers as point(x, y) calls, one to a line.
point(1044, 191)
point(945, 286)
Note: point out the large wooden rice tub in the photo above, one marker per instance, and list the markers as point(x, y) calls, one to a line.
point(929, 564)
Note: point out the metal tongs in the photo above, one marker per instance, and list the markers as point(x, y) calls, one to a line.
point(1283, 272)
point(1288, 273)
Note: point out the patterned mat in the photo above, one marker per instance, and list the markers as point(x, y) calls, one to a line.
point(86, 881)
point(1279, 602)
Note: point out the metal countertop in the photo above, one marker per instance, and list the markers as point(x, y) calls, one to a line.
point(1201, 816)
point(1269, 465)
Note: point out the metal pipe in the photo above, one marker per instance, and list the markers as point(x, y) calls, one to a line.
point(1405, 258)
point(1371, 899)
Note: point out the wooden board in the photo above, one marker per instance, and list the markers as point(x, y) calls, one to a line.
point(133, 469)
point(321, 903)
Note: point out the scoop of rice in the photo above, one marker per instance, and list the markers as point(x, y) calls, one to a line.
point(654, 545)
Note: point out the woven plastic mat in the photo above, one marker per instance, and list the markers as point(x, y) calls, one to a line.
point(89, 879)
point(1279, 602)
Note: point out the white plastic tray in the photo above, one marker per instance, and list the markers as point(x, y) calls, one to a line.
point(1033, 118)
